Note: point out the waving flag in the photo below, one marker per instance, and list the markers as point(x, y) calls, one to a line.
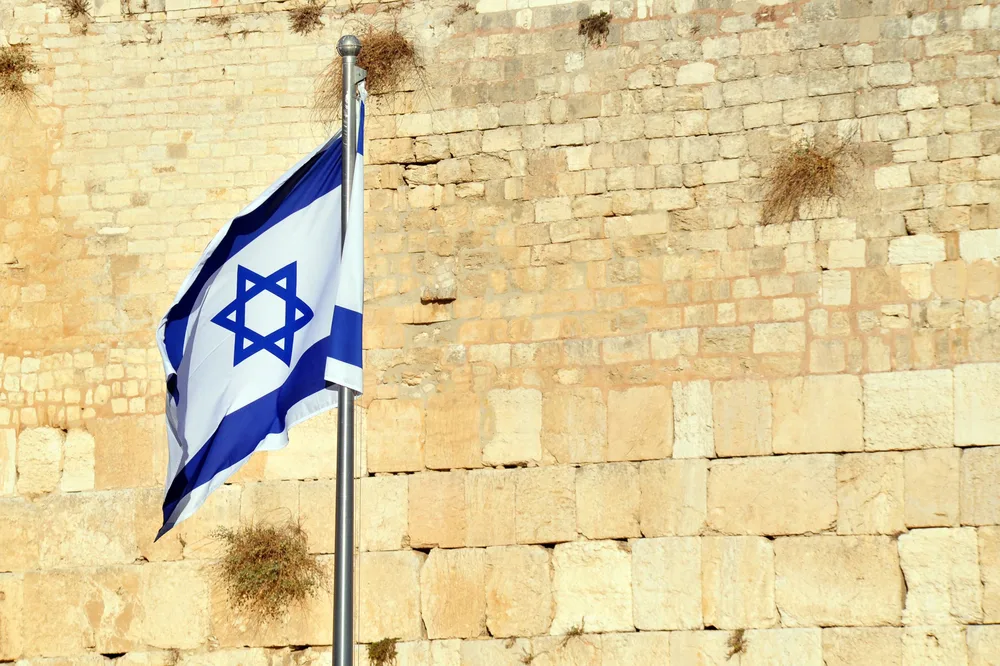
point(270, 315)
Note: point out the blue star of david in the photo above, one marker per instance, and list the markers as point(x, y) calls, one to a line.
point(281, 283)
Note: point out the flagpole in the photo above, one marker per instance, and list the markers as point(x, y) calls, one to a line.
point(343, 600)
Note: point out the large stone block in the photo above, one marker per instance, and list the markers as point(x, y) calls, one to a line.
point(693, 435)
point(311, 452)
point(583, 650)
point(453, 432)
point(943, 585)
point(11, 616)
point(738, 582)
point(742, 411)
point(545, 501)
point(863, 646)
point(817, 414)
point(508, 652)
point(8, 461)
point(317, 501)
point(39, 460)
point(437, 510)
point(389, 596)
point(980, 503)
point(453, 593)
point(607, 501)
point(575, 425)
point(490, 507)
point(270, 501)
point(175, 605)
point(20, 525)
point(518, 591)
point(666, 577)
point(977, 394)
point(640, 423)
point(513, 427)
point(701, 648)
point(931, 482)
point(773, 496)
point(783, 647)
point(78, 462)
point(935, 646)
point(870, 493)
point(125, 450)
point(984, 645)
point(673, 497)
point(593, 587)
point(908, 410)
point(838, 581)
point(383, 519)
point(647, 648)
point(394, 436)
point(88, 529)
point(989, 567)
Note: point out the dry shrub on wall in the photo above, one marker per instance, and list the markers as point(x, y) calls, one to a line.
point(306, 18)
point(596, 28)
point(382, 653)
point(15, 62)
point(737, 643)
point(266, 568)
point(76, 8)
point(808, 170)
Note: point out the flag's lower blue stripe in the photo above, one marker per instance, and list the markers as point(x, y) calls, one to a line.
point(241, 432)
point(345, 342)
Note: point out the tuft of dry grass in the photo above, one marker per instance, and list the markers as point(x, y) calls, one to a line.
point(805, 171)
point(267, 568)
point(737, 643)
point(218, 20)
point(15, 62)
point(383, 652)
point(596, 28)
point(574, 632)
point(76, 8)
point(306, 18)
point(464, 7)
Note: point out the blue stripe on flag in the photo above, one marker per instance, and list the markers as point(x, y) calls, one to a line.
point(345, 337)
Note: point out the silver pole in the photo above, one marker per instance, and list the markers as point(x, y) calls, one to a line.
point(343, 589)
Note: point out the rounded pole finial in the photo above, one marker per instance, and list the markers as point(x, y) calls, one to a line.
point(349, 45)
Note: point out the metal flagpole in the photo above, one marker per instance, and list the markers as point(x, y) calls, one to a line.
point(343, 589)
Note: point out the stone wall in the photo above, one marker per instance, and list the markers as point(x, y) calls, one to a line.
point(602, 395)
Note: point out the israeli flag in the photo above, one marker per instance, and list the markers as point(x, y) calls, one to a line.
point(269, 316)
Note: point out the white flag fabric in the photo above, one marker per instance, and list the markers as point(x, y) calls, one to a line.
point(269, 316)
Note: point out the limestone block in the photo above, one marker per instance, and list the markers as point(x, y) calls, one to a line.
point(196, 534)
point(773, 496)
point(817, 414)
point(389, 596)
point(593, 587)
point(783, 647)
point(694, 73)
point(666, 577)
point(835, 288)
point(648, 648)
point(583, 650)
point(839, 581)
point(908, 410)
point(640, 423)
point(918, 249)
point(270, 501)
point(931, 482)
point(545, 499)
point(674, 343)
point(311, 452)
point(513, 427)
point(870, 493)
point(88, 529)
point(518, 591)
point(224, 657)
point(693, 435)
point(383, 518)
point(701, 648)
point(989, 557)
point(490, 507)
point(20, 524)
point(395, 436)
point(981, 244)
point(437, 510)
point(8, 461)
point(983, 645)
point(78, 462)
point(39, 460)
point(175, 602)
point(977, 393)
point(942, 576)
point(607, 501)
point(125, 450)
point(453, 432)
point(863, 646)
point(742, 412)
point(980, 504)
point(426, 653)
point(317, 501)
point(738, 582)
point(781, 338)
point(453, 593)
point(935, 646)
point(508, 652)
point(574, 425)
point(672, 497)
point(11, 616)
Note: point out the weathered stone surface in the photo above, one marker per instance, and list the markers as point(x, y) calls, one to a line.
point(518, 591)
point(870, 493)
point(495, 653)
point(394, 436)
point(120, 461)
point(666, 576)
point(607, 501)
point(989, 555)
point(640, 424)
point(426, 653)
point(863, 646)
point(453, 593)
point(983, 645)
point(317, 501)
point(574, 425)
point(88, 529)
point(453, 432)
point(20, 524)
point(584, 650)
point(738, 582)
point(648, 648)
point(693, 435)
point(11, 616)
point(39, 460)
point(175, 605)
point(742, 412)
point(943, 585)
point(269, 501)
point(701, 648)
point(8, 461)
point(437, 510)
point(78, 462)
point(784, 647)
point(908, 410)
point(593, 587)
point(311, 452)
point(919, 249)
point(773, 496)
point(388, 594)
point(838, 581)
point(513, 427)
point(672, 497)
point(817, 414)
point(383, 520)
point(490, 507)
point(977, 393)
point(980, 490)
point(932, 487)
point(545, 498)
point(934, 646)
